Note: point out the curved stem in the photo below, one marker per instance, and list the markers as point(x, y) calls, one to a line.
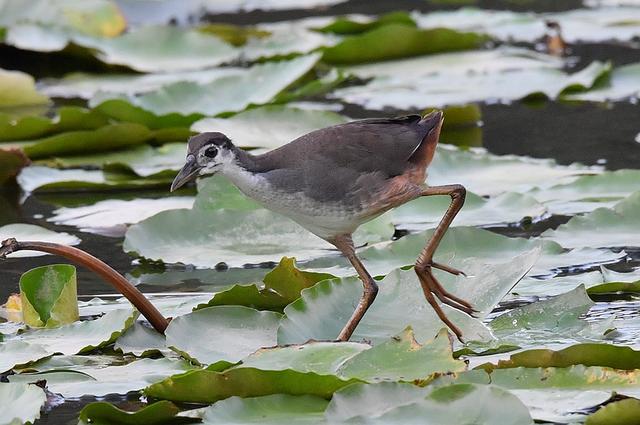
point(122, 285)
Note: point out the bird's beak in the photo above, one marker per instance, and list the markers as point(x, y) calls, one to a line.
point(189, 172)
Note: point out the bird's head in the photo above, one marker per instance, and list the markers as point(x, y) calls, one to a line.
point(207, 153)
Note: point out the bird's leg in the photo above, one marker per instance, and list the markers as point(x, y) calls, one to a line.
point(424, 263)
point(345, 244)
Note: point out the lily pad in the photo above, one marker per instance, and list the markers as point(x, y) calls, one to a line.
point(20, 403)
point(624, 411)
point(398, 40)
point(322, 310)
point(18, 89)
point(603, 227)
point(269, 126)
point(49, 295)
point(100, 381)
point(270, 409)
point(207, 386)
point(31, 232)
point(141, 341)
point(623, 82)
point(112, 217)
point(79, 337)
point(426, 212)
point(227, 94)
point(103, 413)
point(347, 26)
point(222, 333)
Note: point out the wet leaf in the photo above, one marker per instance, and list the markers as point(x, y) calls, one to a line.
point(103, 413)
point(398, 40)
point(31, 232)
point(141, 341)
point(219, 333)
point(206, 386)
point(623, 82)
point(110, 137)
point(20, 403)
point(226, 94)
point(79, 380)
point(625, 411)
point(79, 337)
point(18, 89)
point(603, 227)
point(270, 409)
point(323, 310)
point(347, 26)
point(617, 357)
point(49, 296)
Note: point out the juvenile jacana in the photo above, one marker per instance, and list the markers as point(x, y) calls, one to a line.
point(331, 181)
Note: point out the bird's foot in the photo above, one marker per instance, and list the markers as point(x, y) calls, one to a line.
point(431, 287)
point(448, 269)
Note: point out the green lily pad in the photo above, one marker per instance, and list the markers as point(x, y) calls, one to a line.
point(141, 341)
point(68, 118)
point(269, 126)
point(426, 212)
point(623, 82)
point(556, 320)
point(94, 17)
point(228, 333)
point(234, 237)
point(615, 288)
point(227, 94)
point(322, 310)
point(484, 174)
point(603, 227)
point(453, 404)
point(79, 337)
point(398, 40)
point(450, 88)
point(112, 217)
point(49, 296)
point(590, 354)
point(207, 386)
point(103, 413)
point(347, 26)
point(282, 285)
point(20, 403)
point(589, 192)
point(110, 137)
point(80, 380)
point(556, 285)
point(31, 232)
point(586, 25)
point(625, 411)
point(270, 409)
point(18, 89)
point(38, 179)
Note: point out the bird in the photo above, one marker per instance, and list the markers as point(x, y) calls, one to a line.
point(332, 180)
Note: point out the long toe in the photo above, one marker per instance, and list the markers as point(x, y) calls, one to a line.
point(448, 269)
point(426, 281)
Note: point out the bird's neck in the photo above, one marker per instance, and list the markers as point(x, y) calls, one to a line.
point(244, 171)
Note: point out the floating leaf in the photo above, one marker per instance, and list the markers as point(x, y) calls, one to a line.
point(20, 403)
point(226, 94)
point(398, 40)
point(622, 358)
point(78, 380)
point(18, 89)
point(270, 409)
point(347, 26)
point(218, 333)
point(623, 82)
point(31, 232)
point(112, 217)
point(49, 296)
point(322, 310)
point(603, 227)
point(626, 411)
point(141, 341)
point(269, 126)
point(103, 413)
point(206, 386)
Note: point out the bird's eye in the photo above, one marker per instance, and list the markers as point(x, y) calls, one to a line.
point(211, 152)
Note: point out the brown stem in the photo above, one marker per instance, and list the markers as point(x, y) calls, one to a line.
point(122, 285)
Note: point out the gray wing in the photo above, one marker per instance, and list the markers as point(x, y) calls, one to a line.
point(345, 162)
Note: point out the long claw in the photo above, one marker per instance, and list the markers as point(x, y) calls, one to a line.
point(448, 269)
